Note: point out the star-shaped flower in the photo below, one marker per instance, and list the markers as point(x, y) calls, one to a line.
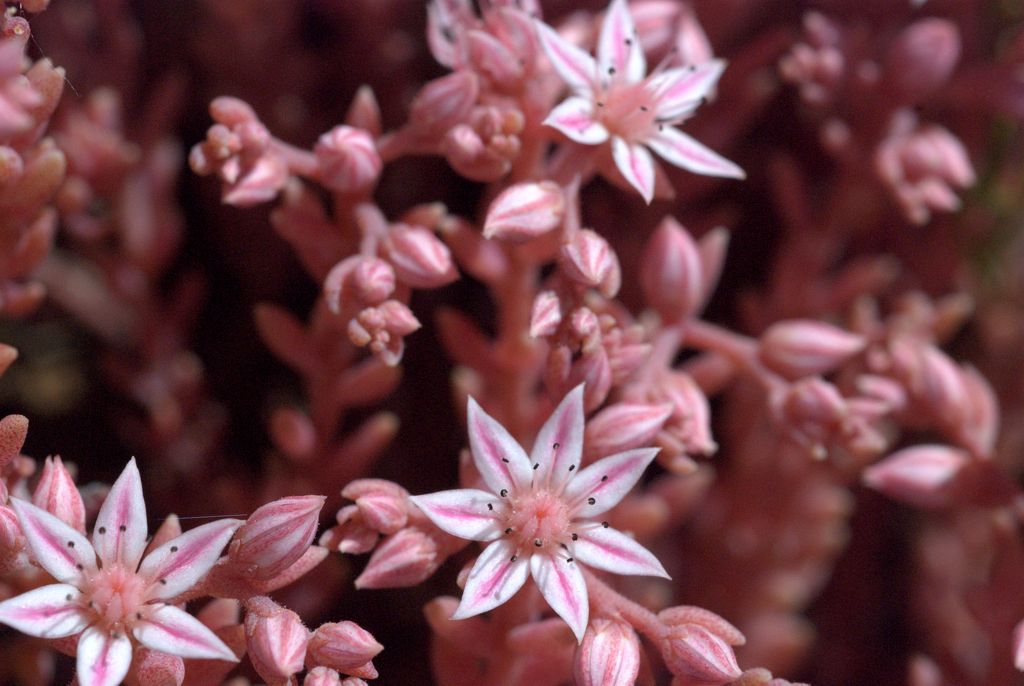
point(612, 99)
point(539, 514)
point(104, 592)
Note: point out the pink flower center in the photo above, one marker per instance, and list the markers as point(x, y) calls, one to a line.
point(116, 595)
point(627, 110)
point(538, 519)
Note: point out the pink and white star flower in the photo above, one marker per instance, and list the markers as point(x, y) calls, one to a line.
point(614, 100)
point(539, 514)
point(108, 593)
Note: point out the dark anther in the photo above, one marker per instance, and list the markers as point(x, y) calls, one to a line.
point(629, 41)
point(591, 501)
point(572, 467)
point(604, 478)
point(513, 558)
point(71, 544)
point(116, 635)
point(611, 70)
point(536, 466)
point(489, 506)
point(79, 566)
point(537, 542)
point(568, 559)
point(103, 529)
point(643, 108)
point(508, 531)
point(599, 104)
point(163, 582)
point(556, 446)
point(661, 127)
point(604, 524)
point(564, 546)
point(174, 548)
point(505, 460)
point(503, 492)
point(122, 528)
point(575, 537)
point(68, 597)
point(138, 615)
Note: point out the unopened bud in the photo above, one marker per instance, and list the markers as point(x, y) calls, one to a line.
point(276, 639)
point(672, 277)
point(623, 426)
point(276, 535)
point(689, 614)
point(693, 652)
point(403, 559)
point(293, 433)
point(344, 646)
point(922, 57)
point(231, 111)
point(359, 279)
point(546, 314)
point(588, 260)
point(492, 59)
point(921, 475)
point(348, 159)
point(420, 259)
point(525, 211)
point(608, 656)
point(804, 347)
point(57, 494)
point(381, 504)
point(322, 676)
point(443, 103)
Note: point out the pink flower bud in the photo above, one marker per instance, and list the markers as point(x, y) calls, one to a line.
point(13, 430)
point(321, 676)
point(588, 260)
point(804, 347)
point(364, 112)
point(12, 540)
point(359, 280)
point(693, 652)
point(276, 535)
point(348, 159)
point(922, 475)
point(689, 614)
point(922, 57)
point(690, 423)
point(546, 314)
point(57, 494)
point(276, 640)
point(419, 257)
point(979, 429)
point(672, 275)
point(398, 317)
point(352, 535)
point(256, 183)
point(608, 656)
point(293, 433)
point(381, 504)
point(443, 103)
point(525, 211)
point(492, 59)
point(344, 646)
point(403, 559)
point(231, 111)
point(623, 426)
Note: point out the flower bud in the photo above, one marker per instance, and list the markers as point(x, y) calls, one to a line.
point(276, 640)
point(546, 314)
point(381, 504)
point(364, 112)
point(348, 160)
point(293, 433)
point(525, 211)
point(403, 559)
point(803, 347)
point(689, 614)
point(672, 277)
point(321, 676)
point(690, 423)
point(623, 426)
point(13, 430)
point(231, 111)
point(57, 494)
point(443, 103)
point(359, 279)
point(398, 317)
point(276, 535)
point(608, 656)
point(922, 57)
point(492, 59)
point(588, 260)
point(921, 475)
point(691, 651)
point(344, 646)
point(420, 259)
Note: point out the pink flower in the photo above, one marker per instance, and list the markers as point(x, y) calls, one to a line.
point(539, 514)
point(613, 100)
point(105, 594)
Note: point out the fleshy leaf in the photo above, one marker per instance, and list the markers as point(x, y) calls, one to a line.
point(500, 460)
point(576, 67)
point(120, 531)
point(59, 549)
point(467, 513)
point(563, 587)
point(607, 481)
point(559, 444)
point(103, 658)
point(494, 578)
point(48, 612)
point(618, 48)
point(176, 632)
point(685, 152)
point(636, 165)
point(179, 564)
point(614, 551)
point(574, 117)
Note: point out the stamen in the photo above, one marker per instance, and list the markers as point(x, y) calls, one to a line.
point(591, 501)
point(537, 542)
point(568, 559)
point(604, 478)
point(79, 566)
point(513, 559)
point(556, 446)
point(508, 531)
point(604, 524)
point(68, 597)
point(572, 467)
point(629, 41)
point(643, 108)
point(489, 506)
point(505, 460)
point(599, 104)
point(575, 537)
point(611, 71)
point(138, 615)
point(174, 548)
point(163, 582)
point(122, 528)
point(102, 530)
point(536, 466)
point(503, 492)
point(71, 544)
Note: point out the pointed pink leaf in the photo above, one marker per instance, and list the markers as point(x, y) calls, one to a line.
point(120, 530)
point(575, 118)
point(494, 578)
point(614, 551)
point(563, 587)
point(680, 91)
point(176, 632)
point(102, 658)
point(48, 612)
point(607, 481)
point(577, 68)
point(559, 444)
point(66, 554)
point(636, 165)
point(179, 564)
point(683, 151)
point(500, 460)
point(618, 47)
point(466, 513)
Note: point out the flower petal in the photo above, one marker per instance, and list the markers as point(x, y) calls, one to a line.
point(102, 659)
point(500, 460)
point(466, 513)
point(685, 152)
point(48, 612)
point(559, 444)
point(179, 564)
point(562, 584)
point(176, 632)
point(574, 117)
point(679, 91)
point(120, 531)
point(618, 47)
point(494, 578)
point(66, 554)
point(576, 67)
point(636, 165)
point(607, 481)
point(613, 551)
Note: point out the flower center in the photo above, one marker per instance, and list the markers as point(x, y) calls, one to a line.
point(116, 594)
point(538, 516)
point(627, 110)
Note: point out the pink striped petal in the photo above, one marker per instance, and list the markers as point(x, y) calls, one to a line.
point(500, 460)
point(683, 151)
point(494, 578)
point(179, 564)
point(467, 513)
point(120, 531)
point(614, 551)
point(607, 481)
point(680, 91)
point(102, 658)
point(559, 444)
point(47, 612)
point(176, 632)
point(66, 554)
point(618, 47)
point(636, 165)
point(563, 587)
point(577, 68)
point(574, 117)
